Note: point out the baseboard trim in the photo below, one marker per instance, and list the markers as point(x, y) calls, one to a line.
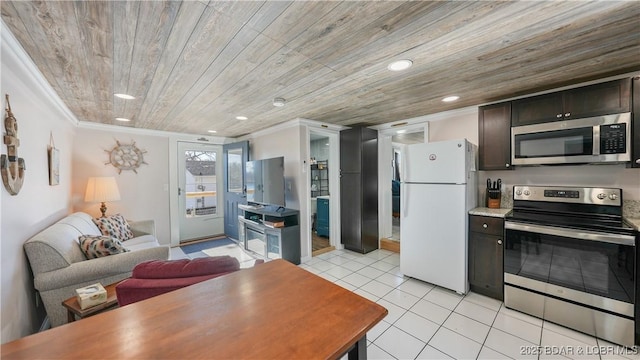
point(203, 239)
point(323, 250)
point(389, 244)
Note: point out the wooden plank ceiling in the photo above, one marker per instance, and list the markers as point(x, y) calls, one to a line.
point(194, 66)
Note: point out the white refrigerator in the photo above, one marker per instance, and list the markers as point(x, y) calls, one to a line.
point(438, 189)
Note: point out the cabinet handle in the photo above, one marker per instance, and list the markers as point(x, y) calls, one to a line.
point(499, 242)
point(484, 226)
point(567, 114)
point(507, 165)
point(638, 161)
point(558, 116)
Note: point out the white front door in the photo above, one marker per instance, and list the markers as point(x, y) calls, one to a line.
point(199, 189)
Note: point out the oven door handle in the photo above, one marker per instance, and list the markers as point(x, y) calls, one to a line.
point(619, 239)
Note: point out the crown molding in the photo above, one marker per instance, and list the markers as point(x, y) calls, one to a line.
point(322, 125)
point(14, 54)
point(289, 124)
point(158, 133)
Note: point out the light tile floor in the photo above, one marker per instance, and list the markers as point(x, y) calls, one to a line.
point(430, 322)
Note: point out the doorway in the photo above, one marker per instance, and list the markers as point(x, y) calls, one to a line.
point(399, 142)
point(320, 199)
point(393, 140)
point(199, 202)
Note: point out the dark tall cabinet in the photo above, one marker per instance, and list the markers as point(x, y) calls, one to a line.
point(359, 189)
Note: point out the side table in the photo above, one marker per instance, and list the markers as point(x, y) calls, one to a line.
point(73, 307)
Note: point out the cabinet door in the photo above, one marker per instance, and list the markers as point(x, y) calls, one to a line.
point(322, 209)
point(273, 244)
point(350, 150)
point(494, 127)
point(611, 97)
point(537, 109)
point(351, 211)
point(485, 264)
point(635, 125)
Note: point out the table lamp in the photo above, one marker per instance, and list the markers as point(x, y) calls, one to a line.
point(102, 189)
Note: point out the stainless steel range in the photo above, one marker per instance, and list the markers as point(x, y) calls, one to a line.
point(570, 258)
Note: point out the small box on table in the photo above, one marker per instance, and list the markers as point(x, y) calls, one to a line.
point(91, 295)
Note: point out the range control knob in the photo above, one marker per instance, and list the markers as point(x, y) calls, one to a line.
point(518, 192)
point(527, 192)
point(613, 196)
point(602, 196)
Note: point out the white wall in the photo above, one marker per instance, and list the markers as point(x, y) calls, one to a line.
point(455, 126)
point(144, 195)
point(287, 142)
point(39, 114)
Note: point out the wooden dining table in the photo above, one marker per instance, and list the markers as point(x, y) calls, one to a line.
point(274, 310)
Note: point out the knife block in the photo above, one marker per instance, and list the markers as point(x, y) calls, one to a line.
point(493, 199)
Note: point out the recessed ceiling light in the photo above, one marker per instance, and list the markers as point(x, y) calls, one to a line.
point(212, 131)
point(451, 98)
point(400, 65)
point(279, 102)
point(125, 96)
point(122, 119)
point(241, 118)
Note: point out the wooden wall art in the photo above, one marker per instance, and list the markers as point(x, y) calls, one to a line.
point(126, 157)
point(11, 166)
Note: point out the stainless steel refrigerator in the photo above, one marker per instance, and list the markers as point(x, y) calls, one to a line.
point(438, 189)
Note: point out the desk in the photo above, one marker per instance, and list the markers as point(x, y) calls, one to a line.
point(275, 310)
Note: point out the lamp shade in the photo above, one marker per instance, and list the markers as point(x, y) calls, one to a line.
point(101, 189)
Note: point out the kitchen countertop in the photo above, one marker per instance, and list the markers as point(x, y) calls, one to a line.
point(634, 221)
point(485, 211)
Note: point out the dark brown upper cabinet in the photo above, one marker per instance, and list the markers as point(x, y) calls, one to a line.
point(610, 97)
point(494, 137)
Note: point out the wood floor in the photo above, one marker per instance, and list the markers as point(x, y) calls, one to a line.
point(390, 244)
point(320, 245)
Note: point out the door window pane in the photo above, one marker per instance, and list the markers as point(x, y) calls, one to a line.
point(200, 183)
point(234, 171)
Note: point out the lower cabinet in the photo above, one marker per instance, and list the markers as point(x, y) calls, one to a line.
point(322, 219)
point(270, 234)
point(486, 254)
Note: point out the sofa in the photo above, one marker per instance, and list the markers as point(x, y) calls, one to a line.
point(156, 277)
point(59, 265)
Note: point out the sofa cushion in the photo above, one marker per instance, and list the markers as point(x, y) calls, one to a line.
point(133, 290)
point(114, 226)
point(98, 246)
point(158, 269)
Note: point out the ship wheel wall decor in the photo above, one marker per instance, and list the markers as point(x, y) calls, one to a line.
point(12, 166)
point(126, 157)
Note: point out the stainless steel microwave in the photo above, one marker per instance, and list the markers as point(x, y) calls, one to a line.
point(600, 139)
